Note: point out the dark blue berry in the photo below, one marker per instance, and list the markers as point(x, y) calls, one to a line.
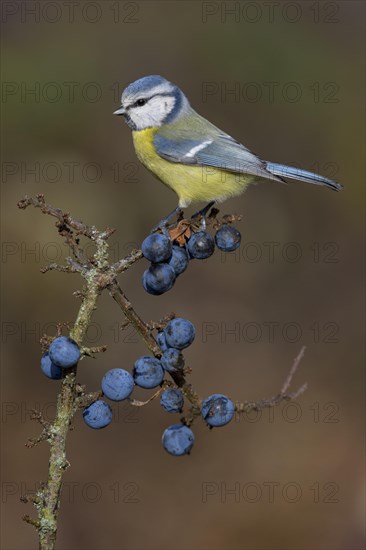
point(49, 369)
point(64, 352)
point(98, 415)
point(179, 333)
point(159, 278)
point(172, 360)
point(157, 248)
point(178, 440)
point(201, 245)
point(172, 400)
point(148, 372)
point(179, 260)
point(217, 410)
point(227, 238)
point(117, 384)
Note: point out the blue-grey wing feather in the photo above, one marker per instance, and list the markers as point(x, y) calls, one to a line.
point(176, 151)
point(208, 146)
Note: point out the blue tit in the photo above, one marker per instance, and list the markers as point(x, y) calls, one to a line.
point(190, 155)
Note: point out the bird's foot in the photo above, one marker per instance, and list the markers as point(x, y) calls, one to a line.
point(163, 224)
point(202, 213)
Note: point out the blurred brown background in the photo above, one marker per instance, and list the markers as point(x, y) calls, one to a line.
point(295, 475)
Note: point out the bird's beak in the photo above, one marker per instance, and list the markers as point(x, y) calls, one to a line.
point(120, 111)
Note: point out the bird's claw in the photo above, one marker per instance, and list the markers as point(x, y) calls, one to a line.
point(203, 213)
point(163, 224)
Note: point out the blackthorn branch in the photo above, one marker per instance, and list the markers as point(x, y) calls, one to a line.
point(100, 275)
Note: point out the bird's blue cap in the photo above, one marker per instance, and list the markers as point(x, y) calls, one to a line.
point(144, 84)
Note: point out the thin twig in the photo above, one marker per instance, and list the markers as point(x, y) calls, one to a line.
point(249, 406)
point(137, 403)
point(127, 262)
point(141, 327)
point(64, 218)
point(293, 369)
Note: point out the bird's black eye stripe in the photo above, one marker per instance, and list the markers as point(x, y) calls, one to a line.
point(142, 101)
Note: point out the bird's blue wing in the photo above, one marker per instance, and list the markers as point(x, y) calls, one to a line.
point(219, 151)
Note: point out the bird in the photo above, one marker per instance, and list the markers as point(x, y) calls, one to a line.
point(189, 154)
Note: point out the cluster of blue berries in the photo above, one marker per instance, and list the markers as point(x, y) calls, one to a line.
point(148, 372)
point(217, 410)
point(169, 260)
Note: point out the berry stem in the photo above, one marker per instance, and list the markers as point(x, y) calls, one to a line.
point(141, 327)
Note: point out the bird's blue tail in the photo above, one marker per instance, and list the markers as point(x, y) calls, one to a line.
point(284, 171)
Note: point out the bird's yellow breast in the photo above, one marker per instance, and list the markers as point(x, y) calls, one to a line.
point(192, 183)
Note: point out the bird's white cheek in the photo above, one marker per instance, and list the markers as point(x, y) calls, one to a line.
point(159, 108)
point(145, 120)
point(169, 104)
point(153, 113)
